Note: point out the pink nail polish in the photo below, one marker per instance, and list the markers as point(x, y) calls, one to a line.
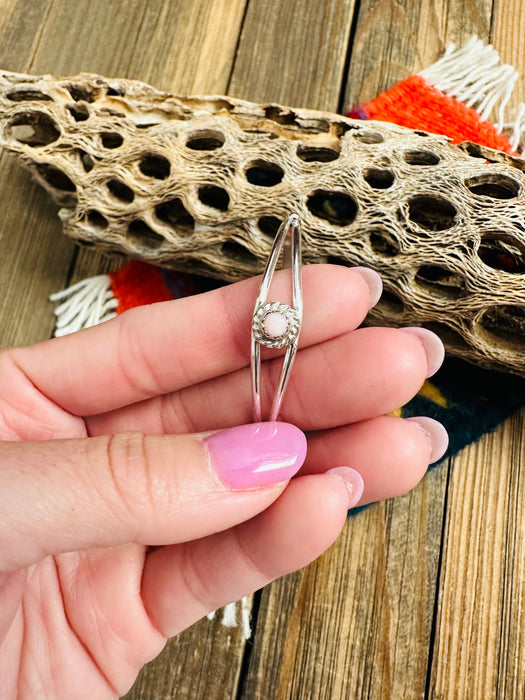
point(353, 481)
point(257, 454)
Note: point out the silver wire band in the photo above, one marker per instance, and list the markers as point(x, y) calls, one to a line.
point(274, 324)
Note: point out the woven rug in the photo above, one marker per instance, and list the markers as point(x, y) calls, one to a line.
point(455, 96)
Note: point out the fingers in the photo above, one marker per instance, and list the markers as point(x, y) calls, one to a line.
point(391, 454)
point(182, 583)
point(65, 495)
point(163, 347)
point(358, 375)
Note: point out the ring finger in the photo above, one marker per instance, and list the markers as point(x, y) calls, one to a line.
point(391, 454)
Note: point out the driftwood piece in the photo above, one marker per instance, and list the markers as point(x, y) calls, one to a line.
point(201, 184)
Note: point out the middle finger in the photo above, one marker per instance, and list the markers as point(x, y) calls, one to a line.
point(359, 375)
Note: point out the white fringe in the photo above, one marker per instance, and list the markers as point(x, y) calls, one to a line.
point(475, 75)
point(516, 128)
point(84, 304)
point(229, 616)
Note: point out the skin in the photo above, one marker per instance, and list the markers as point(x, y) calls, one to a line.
point(102, 457)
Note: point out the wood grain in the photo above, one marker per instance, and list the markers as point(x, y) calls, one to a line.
point(293, 52)
point(507, 17)
point(480, 624)
point(356, 623)
point(203, 662)
point(396, 38)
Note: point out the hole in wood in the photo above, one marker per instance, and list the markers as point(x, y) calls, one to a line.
point(391, 303)
point(86, 160)
point(279, 116)
point(269, 225)
point(237, 251)
point(316, 154)
point(205, 140)
point(174, 213)
point(421, 158)
point(264, 174)
point(78, 111)
point(143, 235)
point(121, 191)
point(336, 207)
point(476, 151)
point(34, 129)
point(80, 92)
point(384, 243)
point(337, 260)
point(368, 136)
point(506, 325)
point(431, 212)
point(379, 178)
point(27, 94)
point(96, 219)
point(116, 90)
point(154, 165)
point(501, 251)
point(110, 139)
point(147, 125)
point(112, 112)
point(450, 337)
point(494, 186)
point(213, 196)
point(440, 281)
point(55, 177)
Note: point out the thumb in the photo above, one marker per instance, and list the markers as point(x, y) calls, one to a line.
point(64, 495)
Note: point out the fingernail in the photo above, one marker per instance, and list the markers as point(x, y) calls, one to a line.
point(374, 282)
point(432, 345)
point(257, 454)
point(436, 434)
point(352, 480)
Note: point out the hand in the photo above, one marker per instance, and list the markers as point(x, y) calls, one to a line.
point(106, 450)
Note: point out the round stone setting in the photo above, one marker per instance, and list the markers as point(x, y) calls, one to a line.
point(275, 325)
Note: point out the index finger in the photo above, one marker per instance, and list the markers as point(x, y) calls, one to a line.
point(170, 345)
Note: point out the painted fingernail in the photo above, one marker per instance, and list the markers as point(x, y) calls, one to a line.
point(352, 480)
point(433, 346)
point(436, 434)
point(374, 282)
point(257, 454)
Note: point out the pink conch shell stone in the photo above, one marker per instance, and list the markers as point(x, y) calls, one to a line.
point(275, 325)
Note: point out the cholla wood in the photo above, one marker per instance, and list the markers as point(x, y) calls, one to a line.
point(201, 184)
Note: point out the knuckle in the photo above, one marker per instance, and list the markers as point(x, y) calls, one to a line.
point(133, 358)
point(196, 580)
point(233, 323)
point(136, 477)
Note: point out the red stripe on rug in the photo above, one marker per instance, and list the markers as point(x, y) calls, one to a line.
point(138, 283)
point(417, 105)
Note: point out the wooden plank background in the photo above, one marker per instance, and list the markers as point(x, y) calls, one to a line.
point(422, 596)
